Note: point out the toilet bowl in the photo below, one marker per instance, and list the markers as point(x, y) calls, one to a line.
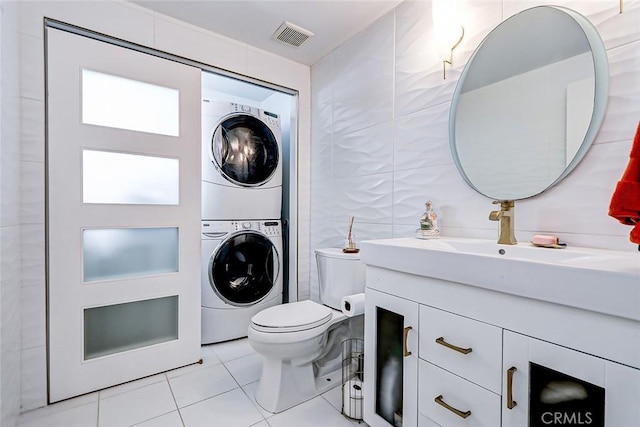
point(300, 341)
point(288, 351)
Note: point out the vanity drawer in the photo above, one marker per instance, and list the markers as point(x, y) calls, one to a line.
point(445, 341)
point(460, 395)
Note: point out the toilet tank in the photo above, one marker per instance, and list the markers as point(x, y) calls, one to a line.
point(339, 275)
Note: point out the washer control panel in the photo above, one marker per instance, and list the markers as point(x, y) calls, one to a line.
point(239, 108)
point(268, 117)
point(214, 228)
point(270, 228)
point(271, 118)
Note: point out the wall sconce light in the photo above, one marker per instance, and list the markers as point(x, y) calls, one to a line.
point(447, 29)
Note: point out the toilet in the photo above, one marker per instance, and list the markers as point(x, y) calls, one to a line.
point(300, 341)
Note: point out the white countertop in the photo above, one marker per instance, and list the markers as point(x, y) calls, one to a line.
point(603, 281)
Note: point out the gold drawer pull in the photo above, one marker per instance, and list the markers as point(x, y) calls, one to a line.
point(405, 351)
point(441, 341)
point(440, 401)
point(510, 402)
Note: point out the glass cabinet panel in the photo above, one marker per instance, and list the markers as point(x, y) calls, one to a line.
point(391, 361)
point(559, 399)
point(389, 330)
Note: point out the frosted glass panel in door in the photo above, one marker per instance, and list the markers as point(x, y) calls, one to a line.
point(121, 178)
point(117, 102)
point(120, 327)
point(128, 252)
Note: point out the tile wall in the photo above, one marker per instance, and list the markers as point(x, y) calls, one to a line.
point(379, 111)
point(380, 143)
point(139, 25)
point(9, 216)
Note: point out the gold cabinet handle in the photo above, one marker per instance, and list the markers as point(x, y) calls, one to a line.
point(510, 402)
point(405, 351)
point(441, 341)
point(440, 401)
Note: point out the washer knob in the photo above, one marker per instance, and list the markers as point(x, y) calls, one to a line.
point(246, 225)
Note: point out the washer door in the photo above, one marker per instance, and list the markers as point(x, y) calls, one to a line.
point(245, 150)
point(244, 268)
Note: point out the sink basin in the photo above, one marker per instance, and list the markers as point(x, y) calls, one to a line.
point(599, 280)
point(491, 248)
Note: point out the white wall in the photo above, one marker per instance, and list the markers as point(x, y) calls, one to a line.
point(145, 27)
point(9, 216)
point(380, 143)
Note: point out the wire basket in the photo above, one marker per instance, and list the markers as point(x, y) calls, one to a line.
point(352, 378)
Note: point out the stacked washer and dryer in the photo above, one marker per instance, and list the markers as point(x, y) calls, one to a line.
point(242, 257)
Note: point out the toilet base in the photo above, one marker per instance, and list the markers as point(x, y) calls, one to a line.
point(283, 386)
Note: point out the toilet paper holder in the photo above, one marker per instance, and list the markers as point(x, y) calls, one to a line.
point(353, 378)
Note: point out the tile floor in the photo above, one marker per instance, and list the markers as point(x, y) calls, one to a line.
point(218, 393)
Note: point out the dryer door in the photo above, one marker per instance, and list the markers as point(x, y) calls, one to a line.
point(244, 268)
point(245, 150)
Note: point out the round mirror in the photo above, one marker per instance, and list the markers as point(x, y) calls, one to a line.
point(529, 103)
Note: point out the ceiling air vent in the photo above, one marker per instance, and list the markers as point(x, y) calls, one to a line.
point(292, 35)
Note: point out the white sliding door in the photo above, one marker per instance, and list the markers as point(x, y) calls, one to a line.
point(123, 214)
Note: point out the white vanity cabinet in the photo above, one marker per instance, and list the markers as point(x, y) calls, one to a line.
point(547, 384)
point(391, 343)
point(484, 358)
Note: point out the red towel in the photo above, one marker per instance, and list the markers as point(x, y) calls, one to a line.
point(625, 202)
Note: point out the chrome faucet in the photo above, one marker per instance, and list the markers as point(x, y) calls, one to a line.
point(506, 217)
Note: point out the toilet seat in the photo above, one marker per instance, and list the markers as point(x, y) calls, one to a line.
point(291, 317)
